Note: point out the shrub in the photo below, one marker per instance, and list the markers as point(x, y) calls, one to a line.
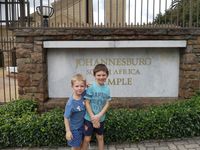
point(53, 130)
point(18, 107)
point(20, 125)
point(175, 120)
point(10, 114)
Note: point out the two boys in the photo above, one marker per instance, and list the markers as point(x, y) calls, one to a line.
point(97, 99)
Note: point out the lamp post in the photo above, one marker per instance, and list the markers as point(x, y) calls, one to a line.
point(46, 12)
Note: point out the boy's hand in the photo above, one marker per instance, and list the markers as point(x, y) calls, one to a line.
point(88, 85)
point(96, 124)
point(69, 135)
point(95, 118)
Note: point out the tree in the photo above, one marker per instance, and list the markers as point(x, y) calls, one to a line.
point(184, 13)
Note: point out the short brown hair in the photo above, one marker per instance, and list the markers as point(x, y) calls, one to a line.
point(78, 77)
point(100, 67)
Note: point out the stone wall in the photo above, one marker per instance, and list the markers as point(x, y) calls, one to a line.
point(32, 66)
point(190, 68)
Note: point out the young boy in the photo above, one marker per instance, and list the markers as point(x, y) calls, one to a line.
point(74, 113)
point(97, 103)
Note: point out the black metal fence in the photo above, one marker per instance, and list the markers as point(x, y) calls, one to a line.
point(8, 69)
point(100, 13)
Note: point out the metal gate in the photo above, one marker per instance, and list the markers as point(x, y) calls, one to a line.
point(8, 69)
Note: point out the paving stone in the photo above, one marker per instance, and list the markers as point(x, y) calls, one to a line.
point(47, 148)
point(33, 148)
point(24, 148)
point(191, 141)
point(196, 138)
point(198, 141)
point(153, 144)
point(123, 145)
point(180, 142)
point(172, 146)
point(64, 148)
point(150, 148)
point(132, 148)
point(191, 146)
point(162, 148)
point(111, 147)
point(141, 147)
point(134, 145)
point(181, 147)
point(163, 144)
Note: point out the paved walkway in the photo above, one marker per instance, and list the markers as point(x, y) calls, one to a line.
point(175, 144)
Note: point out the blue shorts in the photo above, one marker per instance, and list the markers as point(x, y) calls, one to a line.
point(77, 138)
point(89, 129)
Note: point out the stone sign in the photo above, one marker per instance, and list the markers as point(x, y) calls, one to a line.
point(134, 72)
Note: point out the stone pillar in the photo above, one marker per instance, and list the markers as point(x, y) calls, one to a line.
point(190, 69)
point(32, 76)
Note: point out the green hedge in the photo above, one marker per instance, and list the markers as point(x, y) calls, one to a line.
point(21, 125)
point(180, 119)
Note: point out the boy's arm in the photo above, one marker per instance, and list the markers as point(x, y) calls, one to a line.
point(92, 116)
point(103, 111)
point(67, 129)
point(88, 108)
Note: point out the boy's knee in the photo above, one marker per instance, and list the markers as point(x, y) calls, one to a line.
point(99, 137)
point(87, 139)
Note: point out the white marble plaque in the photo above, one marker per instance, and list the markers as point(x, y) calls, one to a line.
point(134, 72)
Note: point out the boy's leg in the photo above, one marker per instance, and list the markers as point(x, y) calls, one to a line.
point(100, 140)
point(88, 130)
point(99, 135)
point(76, 141)
point(86, 142)
point(76, 148)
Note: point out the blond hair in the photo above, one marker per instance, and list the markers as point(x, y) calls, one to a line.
point(78, 77)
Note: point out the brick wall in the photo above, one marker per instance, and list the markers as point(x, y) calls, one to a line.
point(32, 66)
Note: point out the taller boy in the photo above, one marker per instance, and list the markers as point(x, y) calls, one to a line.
point(97, 103)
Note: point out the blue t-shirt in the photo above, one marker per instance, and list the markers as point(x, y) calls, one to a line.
point(75, 112)
point(98, 95)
